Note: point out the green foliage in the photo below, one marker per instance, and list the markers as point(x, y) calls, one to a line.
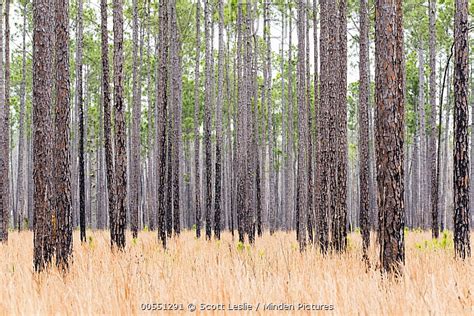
point(444, 243)
point(91, 242)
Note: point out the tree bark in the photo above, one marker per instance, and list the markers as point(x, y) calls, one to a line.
point(120, 129)
point(220, 82)
point(462, 247)
point(302, 180)
point(389, 118)
point(197, 112)
point(42, 95)
point(135, 144)
point(61, 154)
point(364, 203)
point(434, 127)
point(161, 115)
point(207, 120)
point(21, 200)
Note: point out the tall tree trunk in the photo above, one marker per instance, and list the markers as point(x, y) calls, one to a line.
point(220, 82)
point(462, 246)
point(342, 166)
point(422, 135)
point(4, 212)
point(109, 160)
point(364, 203)
point(273, 188)
point(6, 169)
point(317, 122)
point(197, 112)
point(332, 120)
point(61, 153)
point(323, 128)
point(433, 126)
point(135, 144)
point(310, 215)
point(120, 129)
point(302, 180)
point(20, 198)
point(207, 120)
point(80, 101)
point(161, 115)
point(177, 129)
point(43, 19)
point(389, 98)
point(240, 161)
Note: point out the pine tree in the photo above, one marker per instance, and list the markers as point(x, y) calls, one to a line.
point(43, 19)
point(462, 246)
point(197, 112)
point(61, 153)
point(364, 205)
point(389, 119)
point(120, 129)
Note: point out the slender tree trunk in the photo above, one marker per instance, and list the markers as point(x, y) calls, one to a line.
point(109, 160)
point(422, 137)
point(342, 164)
point(323, 128)
point(6, 169)
point(462, 246)
point(317, 121)
point(434, 128)
point(240, 161)
point(310, 215)
point(161, 115)
point(207, 120)
point(21, 200)
point(197, 112)
point(4, 212)
point(177, 129)
point(364, 203)
point(220, 82)
point(61, 153)
point(80, 104)
point(120, 129)
point(302, 180)
point(135, 144)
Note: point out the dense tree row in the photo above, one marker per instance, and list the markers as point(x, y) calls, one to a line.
point(204, 123)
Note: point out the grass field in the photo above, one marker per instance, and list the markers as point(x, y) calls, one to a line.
point(223, 272)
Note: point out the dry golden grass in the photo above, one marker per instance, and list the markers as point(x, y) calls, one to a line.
point(197, 271)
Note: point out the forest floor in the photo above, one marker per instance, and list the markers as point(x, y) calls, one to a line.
point(197, 272)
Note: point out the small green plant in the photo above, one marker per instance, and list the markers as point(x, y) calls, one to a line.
point(444, 242)
point(91, 242)
point(134, 241)
point(146, 229)
point(240, 246)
